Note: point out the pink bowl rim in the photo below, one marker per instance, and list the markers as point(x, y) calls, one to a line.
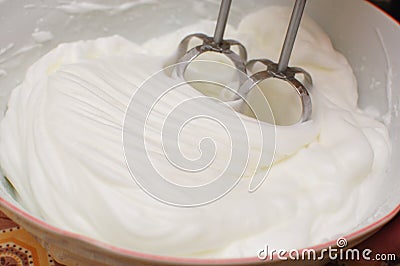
point(384, 12)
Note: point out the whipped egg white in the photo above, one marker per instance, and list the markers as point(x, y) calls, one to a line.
point(61, 148)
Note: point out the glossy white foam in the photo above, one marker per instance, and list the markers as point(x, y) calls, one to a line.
point(61, 147)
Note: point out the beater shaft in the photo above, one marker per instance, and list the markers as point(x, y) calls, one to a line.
point(221, 22)
point(291, 35)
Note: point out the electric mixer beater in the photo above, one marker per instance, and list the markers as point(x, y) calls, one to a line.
point(212, 44)
point(279, 70)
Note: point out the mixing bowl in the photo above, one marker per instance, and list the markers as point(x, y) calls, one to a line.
point(365, 35)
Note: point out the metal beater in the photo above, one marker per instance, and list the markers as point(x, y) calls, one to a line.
point(212, 44)
point(278, 70)
point(281, 70)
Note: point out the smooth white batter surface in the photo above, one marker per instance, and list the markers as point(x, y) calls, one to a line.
point(61, 148)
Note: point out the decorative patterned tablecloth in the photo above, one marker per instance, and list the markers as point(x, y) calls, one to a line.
point(19, 248)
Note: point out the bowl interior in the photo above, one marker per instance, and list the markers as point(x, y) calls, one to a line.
point(367, 37)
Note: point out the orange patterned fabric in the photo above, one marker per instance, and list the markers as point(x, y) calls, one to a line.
point(19, 248)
